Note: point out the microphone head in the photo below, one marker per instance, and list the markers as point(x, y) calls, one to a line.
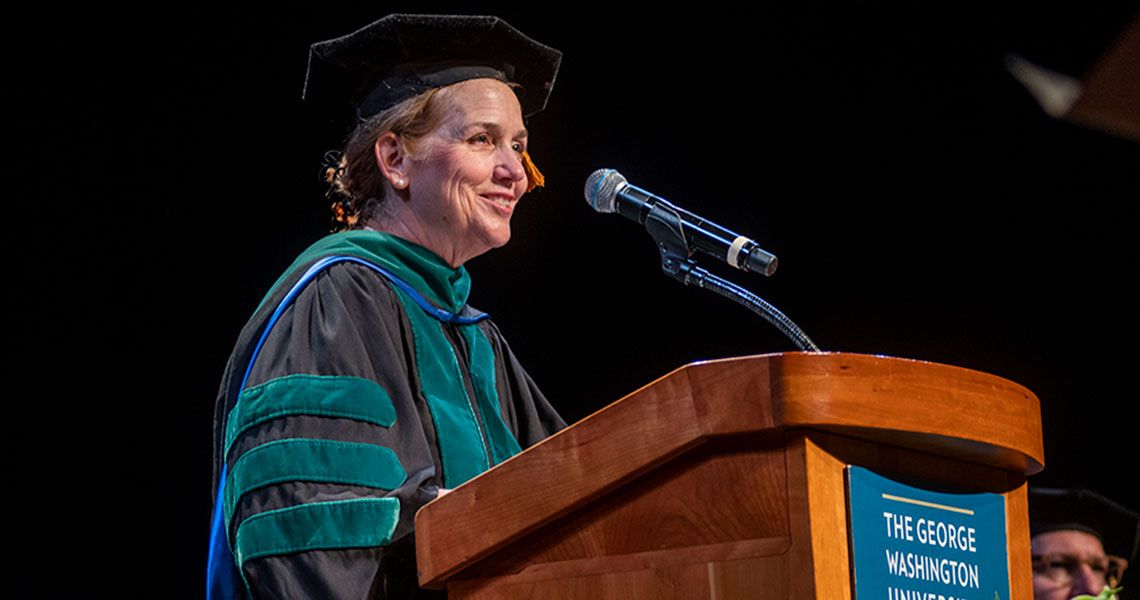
point(601, 189)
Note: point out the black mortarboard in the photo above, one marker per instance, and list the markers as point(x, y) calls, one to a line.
point(1053, 509)
point(401, 56)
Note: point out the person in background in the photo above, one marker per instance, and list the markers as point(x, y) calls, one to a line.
point(1080, 542)
point(364, 385)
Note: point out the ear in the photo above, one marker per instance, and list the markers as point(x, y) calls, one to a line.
point(392, 159)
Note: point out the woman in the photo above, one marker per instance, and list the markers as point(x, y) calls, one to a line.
point(364, 385)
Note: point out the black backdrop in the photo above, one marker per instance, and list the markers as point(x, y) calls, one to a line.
point(921, 204)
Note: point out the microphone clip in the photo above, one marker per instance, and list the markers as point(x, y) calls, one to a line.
point(665, 227)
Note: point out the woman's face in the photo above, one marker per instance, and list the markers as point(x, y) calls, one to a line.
point(470, 177)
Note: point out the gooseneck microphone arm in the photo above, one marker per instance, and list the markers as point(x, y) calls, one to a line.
point(666, 225)
point(686, 271)
point(694, 275)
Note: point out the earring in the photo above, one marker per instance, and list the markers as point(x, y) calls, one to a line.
point(400, 183)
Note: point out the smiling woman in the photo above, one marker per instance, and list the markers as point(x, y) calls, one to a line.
point(364, 385)
point(458, 199)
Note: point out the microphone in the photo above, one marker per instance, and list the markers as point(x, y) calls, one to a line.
point(607, 191)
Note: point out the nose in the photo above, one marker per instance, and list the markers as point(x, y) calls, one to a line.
point(1086, 581)
point(509, 166)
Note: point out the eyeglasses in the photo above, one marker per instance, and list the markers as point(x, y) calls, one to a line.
point(1062, 568)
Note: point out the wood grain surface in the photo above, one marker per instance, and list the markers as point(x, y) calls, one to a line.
point(729, 490)
point(925, 406)
point(759, 578)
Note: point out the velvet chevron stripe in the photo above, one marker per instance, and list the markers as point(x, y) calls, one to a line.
point(358, 523)
point(319, 395)
point(302, 459)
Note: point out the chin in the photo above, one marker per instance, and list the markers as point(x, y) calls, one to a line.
point(498, 239)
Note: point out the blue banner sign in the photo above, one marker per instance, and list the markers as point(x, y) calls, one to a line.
point(909, 543)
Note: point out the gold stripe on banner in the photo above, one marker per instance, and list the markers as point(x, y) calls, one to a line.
point(964, 511)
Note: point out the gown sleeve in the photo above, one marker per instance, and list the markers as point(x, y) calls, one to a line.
point(328, 449)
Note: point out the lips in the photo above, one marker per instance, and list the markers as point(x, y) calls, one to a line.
point(502, 200)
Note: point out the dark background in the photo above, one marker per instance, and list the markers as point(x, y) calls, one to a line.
point(921, 204)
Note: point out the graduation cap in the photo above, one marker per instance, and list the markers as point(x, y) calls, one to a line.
point(400, 56)
point(1054, 509)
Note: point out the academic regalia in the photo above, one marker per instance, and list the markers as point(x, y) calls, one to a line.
point(362, 384)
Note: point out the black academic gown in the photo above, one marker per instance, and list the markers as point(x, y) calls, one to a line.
point(358, 404)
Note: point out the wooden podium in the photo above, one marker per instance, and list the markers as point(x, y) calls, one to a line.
point(725, 479)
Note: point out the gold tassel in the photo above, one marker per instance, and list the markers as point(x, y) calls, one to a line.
point(534, 177)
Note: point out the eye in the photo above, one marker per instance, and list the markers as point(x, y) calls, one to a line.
point(1065, 563)
point(518, 147)
point(481, 139)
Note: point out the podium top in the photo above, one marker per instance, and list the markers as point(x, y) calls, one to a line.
point(945, 410)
